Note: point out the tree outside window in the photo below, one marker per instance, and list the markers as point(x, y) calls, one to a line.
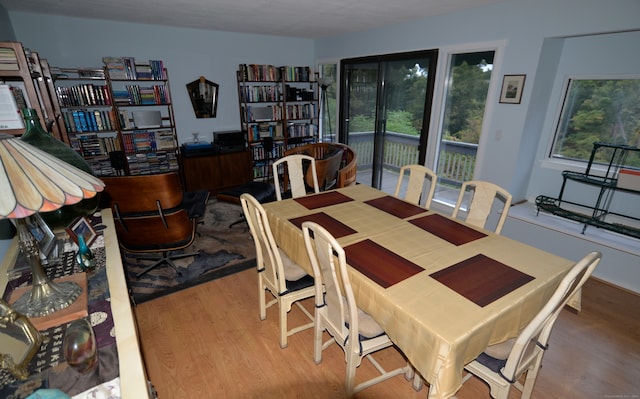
point(598, 110)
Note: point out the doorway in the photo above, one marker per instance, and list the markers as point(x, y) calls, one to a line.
point(385, 108)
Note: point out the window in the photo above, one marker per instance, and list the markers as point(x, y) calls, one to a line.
point(465, 97)
point(327, 80)
point(598, 110)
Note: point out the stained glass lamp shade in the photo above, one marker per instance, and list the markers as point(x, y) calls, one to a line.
point(33, 181)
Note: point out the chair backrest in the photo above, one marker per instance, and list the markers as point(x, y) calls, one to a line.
point(152, 233)
point(415, 187)
point(268, 258)
point(483, 196)
point(144, 193)
point(328, 261)
point(327, 170)
point(293, 172)
point(148, 212)
point(538, 330)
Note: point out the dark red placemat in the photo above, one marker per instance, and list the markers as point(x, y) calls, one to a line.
point(481, 279)
point(336, 228)
point(447, 229)
point(314, 201)
point(379, 264)
point(396, 207)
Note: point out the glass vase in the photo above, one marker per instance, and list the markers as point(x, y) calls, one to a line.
point(35, 135)
point(79, 346)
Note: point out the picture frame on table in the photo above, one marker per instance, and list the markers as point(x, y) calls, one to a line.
point(81, 227)
point(512, 86)
point(42, 233)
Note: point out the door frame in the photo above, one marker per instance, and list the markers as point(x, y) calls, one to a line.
point(381, 59)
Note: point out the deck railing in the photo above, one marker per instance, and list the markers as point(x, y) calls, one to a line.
point(455, 163)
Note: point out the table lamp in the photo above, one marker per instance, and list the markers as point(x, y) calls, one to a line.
point(33, 181)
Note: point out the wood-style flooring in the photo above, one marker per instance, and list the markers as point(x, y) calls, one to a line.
point(209, 342)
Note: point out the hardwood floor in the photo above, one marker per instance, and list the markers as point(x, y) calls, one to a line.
point(208, 342)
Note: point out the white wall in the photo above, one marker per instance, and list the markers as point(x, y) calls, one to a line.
point(6, 28)
point(525, 26)
point(186, 53)
point(613, 55)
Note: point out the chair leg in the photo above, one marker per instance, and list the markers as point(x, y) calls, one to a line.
point(282, 311)
point(168, 259)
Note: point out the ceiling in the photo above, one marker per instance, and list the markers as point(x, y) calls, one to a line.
point(294, 18)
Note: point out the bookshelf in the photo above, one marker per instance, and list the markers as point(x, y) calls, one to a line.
point(278, 110)
point(119, 117)
point(87, 114)
point(21, 74)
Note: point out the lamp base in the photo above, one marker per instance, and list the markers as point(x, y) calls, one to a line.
point(44, 299)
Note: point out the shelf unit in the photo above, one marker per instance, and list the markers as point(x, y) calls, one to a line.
point(87, 114)
point(614, 159)
point(278, 110)
point(22, 70)
point(119, 118)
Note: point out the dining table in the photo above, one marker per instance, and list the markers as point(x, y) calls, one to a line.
point(442, 290)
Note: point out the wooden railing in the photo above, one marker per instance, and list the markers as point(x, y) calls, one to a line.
point(455, 163)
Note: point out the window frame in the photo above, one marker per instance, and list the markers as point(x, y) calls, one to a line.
point(564, 163)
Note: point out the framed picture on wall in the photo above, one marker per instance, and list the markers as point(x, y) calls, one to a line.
point(81, 227)
point(512, 86)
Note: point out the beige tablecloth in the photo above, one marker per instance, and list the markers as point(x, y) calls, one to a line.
point(437, 328)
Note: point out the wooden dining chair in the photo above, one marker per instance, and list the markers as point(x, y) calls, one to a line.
point(292, 170)
point(502, 365)
point(414, 189)
point(282, 277)
point(480, 205)
point(356, 332)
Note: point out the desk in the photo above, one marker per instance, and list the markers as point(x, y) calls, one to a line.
point(438, 329)
point(133, 378)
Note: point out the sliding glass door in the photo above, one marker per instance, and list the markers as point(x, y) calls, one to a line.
point(384, 112)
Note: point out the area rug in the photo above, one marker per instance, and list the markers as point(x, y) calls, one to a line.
point(223, 250)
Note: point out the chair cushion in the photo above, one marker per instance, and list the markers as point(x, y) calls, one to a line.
point(292, 271)
point(195, 203)
point(490, 362)
point(367, 327)
point(301, 283)
point(501, 350)
point(262, 191)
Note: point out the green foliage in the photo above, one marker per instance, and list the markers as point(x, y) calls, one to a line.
point(401, 122)
point(465, 102)
point(603, 110)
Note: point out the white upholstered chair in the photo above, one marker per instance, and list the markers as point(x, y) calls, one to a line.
point(337, 313)
point(283, 278)
point(502, 365)
point(483, 194)
point(291, 169)
point(415, 188)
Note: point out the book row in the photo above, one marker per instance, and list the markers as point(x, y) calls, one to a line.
point(83, 95)
point(142, 164)
point(263, 130)
point(301, 111)
point(8, 60)
point(258, 114)
point(147, 141)
point(83, 120)
point(271, 73)
point(91, 145)
point(126, 68)
point(259, 153)
point(136, 95)
point(260, 93)
point(302, 130)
